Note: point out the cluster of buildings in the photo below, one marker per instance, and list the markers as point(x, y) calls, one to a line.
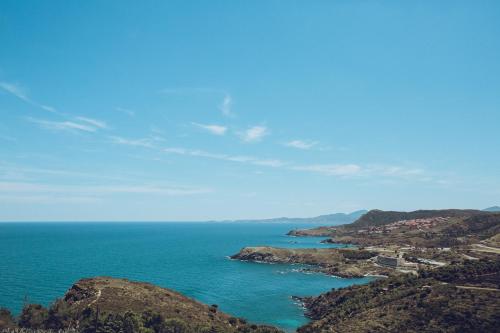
point(392, 262)
point(415, 224)
point(396, 262)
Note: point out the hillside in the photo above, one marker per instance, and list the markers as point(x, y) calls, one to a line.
point(492, 209)
point(457, 298)
point(376, 218)
point(379, 217)
point(115, 305)
point(424, 228)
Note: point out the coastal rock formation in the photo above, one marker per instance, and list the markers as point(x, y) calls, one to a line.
point(347, 263)
point(113, 295)
point(105, 304)
point(314, 232)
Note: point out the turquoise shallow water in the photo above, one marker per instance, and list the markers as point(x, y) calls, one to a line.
point(42, 260)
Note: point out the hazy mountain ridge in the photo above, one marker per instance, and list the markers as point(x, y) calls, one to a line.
point(492, 209)
point(335, 218)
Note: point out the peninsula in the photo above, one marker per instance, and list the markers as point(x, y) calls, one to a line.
point(442, 269)
point(105, 304)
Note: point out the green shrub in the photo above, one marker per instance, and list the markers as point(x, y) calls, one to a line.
point(33, 316)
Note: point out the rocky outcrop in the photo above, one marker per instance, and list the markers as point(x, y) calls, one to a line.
point(346, 263)
point(121, 305)
point(314, 232)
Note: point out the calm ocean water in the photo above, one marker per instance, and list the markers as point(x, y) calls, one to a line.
point(42, 260)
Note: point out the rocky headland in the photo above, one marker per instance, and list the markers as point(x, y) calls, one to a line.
point(105, 304)
point(346, 263)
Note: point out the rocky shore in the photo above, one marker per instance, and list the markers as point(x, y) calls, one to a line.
point(345, 263)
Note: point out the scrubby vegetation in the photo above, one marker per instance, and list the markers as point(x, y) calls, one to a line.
point(380, 217)
point(412, 304)
point(7, 321)
point(36, 317)
point(106, 305)
point(484, 273)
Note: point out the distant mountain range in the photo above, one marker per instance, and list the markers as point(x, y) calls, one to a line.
point(375, 217)
point(329, 219)
point(492, 209)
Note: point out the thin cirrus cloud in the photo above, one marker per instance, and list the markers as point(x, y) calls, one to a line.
point(345, 170)
point(226, 106)
point(213, 129)
point(15, 89)
point(62, 125)
point(253, 134)
point(19, 92)
point(301, 144)
point(125, 110)
point(80, 124)
point(332, 169)
point(275, 163)
point(351, 170)
point(84, 124)
point(55, 193)
point(142, 142)
point(93, 122)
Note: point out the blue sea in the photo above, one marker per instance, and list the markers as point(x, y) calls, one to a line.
point(41, 261)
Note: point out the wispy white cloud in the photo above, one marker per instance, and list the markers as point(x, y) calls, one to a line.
point(380, 171)
point(15, 89)
point(126, 111)
point(77, 124)
point(332, 169)
point(143, 142)
point(48, 108)
point(226, 106)
point(62, 125)
point(224, 157)
point(33, 190)
point(398, 171)
point(335, 169)
point(93, 122)
point(253, 134)
point(301, 144)
point(21, 93)
point(213, 129)
point(9, 172)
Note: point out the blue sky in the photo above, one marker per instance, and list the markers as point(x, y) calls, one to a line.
point(177, 110)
